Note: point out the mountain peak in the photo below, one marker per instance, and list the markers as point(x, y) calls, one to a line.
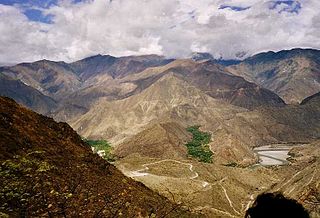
point(272, 55)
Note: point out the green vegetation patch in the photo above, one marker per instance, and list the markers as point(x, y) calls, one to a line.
point(198, 147)
point(102, 147)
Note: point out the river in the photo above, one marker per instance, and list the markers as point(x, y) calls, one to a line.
point(272, 155)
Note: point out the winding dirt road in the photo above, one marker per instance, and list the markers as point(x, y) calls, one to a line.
point(205, 184)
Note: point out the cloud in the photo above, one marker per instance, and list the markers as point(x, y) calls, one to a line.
point(174, 28)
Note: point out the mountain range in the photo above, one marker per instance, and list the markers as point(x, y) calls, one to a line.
point(293, 75)
point(144, 105)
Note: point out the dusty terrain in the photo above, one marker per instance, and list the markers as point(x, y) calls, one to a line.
point(228, 191)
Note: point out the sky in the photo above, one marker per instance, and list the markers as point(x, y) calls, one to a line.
point(68, 30)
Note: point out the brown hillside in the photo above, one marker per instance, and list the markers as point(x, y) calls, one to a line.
point(303, 183)
point(47, 170)
point(169, 98)
point(163, 140)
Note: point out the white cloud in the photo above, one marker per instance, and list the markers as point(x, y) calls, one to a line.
point(174, 28)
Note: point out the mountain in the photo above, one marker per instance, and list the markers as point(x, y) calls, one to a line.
point(292, 74)
point(26, 95)
point(54, 79)
point(168, 143)
point(168, 94)
point(115, 67)
point(292, 123)
point(47, 170)
point(168, 99)
point(213, 80)
point(80, 84)
point(216, 82)
point(311, 99)
point(90, 66)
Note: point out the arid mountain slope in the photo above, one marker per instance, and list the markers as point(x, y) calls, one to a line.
point(215, 190)
point(302, 181)
point(26, 95)
point(208, 77)
point(292, 123)
point(293, 74)
point(213, 80)
point(216, 82)
point(163, 140)
point(54, 79)
point(115, 67)
point(47, 170)
point(168, 99)
point(235, 130)
point(313, 99)
point(78, 86)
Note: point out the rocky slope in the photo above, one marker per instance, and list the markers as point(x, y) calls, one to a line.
point(292, 123)
point(54, 79)
point(168, 99)
point(213, 80)
point(115, 67)
point(302, 181)
point(216, 82)
point(292, 74)
point(163, 140)
point(313, 99)
point(26, 95)
point(47, 170)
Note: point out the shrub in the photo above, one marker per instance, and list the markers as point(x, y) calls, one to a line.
point(198, 146)
point(101, 145)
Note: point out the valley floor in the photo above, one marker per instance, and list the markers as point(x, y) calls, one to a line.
point(213, 189)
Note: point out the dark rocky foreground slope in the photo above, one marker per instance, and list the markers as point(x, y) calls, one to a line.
point(47, 170)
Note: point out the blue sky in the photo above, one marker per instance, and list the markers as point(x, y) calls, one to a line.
point(30, 8)
point(33, 8)
point(37, 3)
point(289, 6)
